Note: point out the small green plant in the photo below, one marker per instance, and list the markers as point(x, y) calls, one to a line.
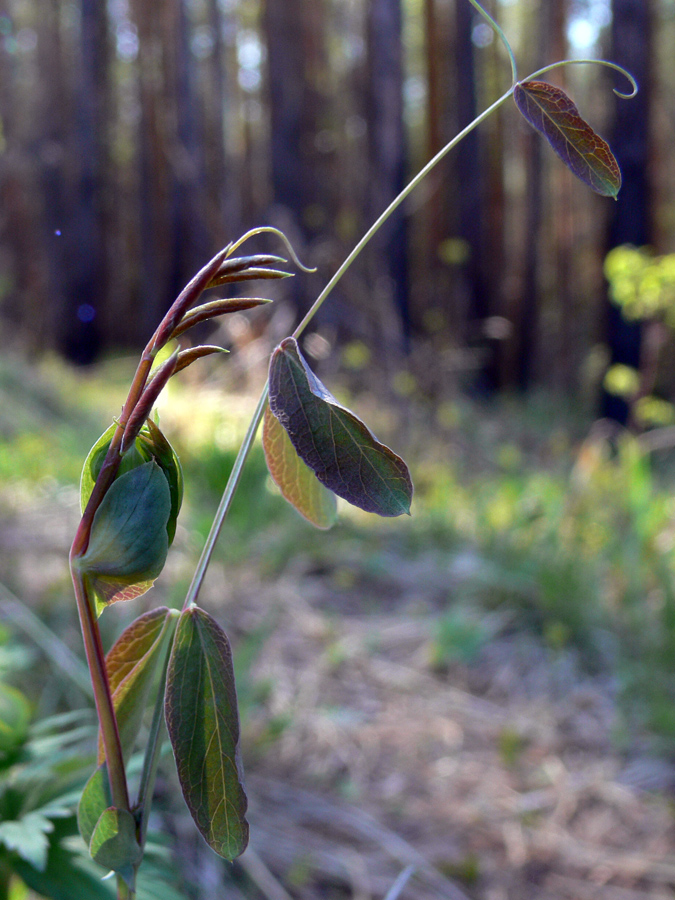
point(642, 285)
point(179, 663)
point(43, 768)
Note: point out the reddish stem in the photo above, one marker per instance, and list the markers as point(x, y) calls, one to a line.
point(102, 694)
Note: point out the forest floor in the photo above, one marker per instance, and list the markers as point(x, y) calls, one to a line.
point(382, 732)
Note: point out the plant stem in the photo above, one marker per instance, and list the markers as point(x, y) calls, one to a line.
point(113, 458)
point(123, 891)
point(104, 703)
point(502, 37)
point(225, 502)
point(245, 449)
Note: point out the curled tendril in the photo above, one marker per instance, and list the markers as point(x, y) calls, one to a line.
point(500, 34)
point(597, 62)
point(269, 229)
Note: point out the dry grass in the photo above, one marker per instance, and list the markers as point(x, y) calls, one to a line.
point(496, 780)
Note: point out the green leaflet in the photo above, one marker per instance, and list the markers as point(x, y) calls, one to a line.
point(332, 441)
point(296, 481)
point(132, 664)
point(128, 544)
point(28, 837)
point(113, 844)
point(150, 444)
point(203, 724)
point(585, 153)
point(15, 717)
point(95, 799)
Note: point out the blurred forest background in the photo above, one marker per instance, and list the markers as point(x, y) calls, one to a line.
point(138, 138)
point(485, 691)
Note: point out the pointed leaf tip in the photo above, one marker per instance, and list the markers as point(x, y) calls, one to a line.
point(585, 153)
point(336, 445)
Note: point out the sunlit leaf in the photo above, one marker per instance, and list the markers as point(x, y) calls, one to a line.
point(28, 837)
point(296, 481)
point(203, 724)
point(335, 444)
point(129, 543)
point(114, 845)
point(552, 113)
point(132, 664)
point(95, 798)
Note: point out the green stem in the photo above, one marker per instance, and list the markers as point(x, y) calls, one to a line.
point(596, 62)
point(123, 891)
point(502, 37)
point(245, 449)
point(102, 695)
point(225, 502)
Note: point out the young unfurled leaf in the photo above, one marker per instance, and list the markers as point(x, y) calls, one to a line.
point(203, 724)
point(247, 268)
point(128, 544)
point(216, 308)
point(132, 664)
point(296, 481)
point(187, 357)
point(552, 113)
point(114, 845)
point(332, 441)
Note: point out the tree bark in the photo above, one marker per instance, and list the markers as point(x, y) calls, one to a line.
point(630, 223)
point(386, 152)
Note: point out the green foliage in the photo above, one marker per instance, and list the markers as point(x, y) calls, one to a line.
point(582, 550)
point(641, 283)
point(456, 639)
point(41, 768)
point(94, 800)
point(203, 724)
point(643, 286)
point(150, 445)
point(332, 441)
point(128, 545)
point(114, 844)
point(14, 719)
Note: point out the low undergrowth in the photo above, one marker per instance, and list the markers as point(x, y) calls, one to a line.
point(573, 535)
